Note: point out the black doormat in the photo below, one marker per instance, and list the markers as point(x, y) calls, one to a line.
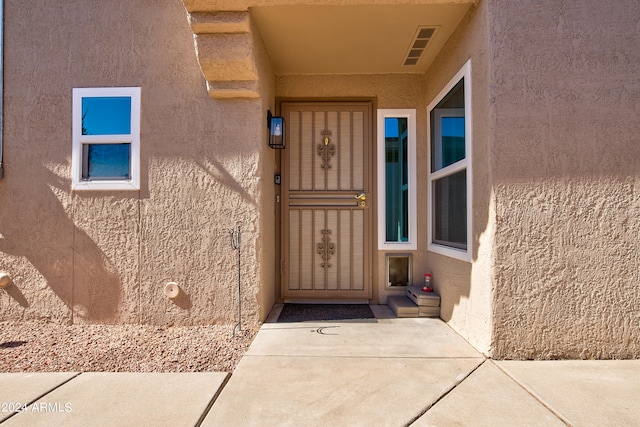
point(322, 312)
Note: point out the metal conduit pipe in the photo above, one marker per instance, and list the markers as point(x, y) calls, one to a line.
point(1, 80)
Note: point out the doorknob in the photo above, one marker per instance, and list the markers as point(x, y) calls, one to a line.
point(363, 199)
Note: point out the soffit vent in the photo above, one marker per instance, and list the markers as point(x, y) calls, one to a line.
point(418, 45)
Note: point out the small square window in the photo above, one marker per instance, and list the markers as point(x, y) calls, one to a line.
point(106, 139)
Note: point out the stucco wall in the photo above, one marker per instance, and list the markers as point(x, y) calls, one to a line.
point(106, 256)
point(565, 90)
point(266, 248)
point(466, 287)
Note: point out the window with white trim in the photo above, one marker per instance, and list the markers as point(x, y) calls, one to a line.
point(397, 227)
point(450, 168)
point(106, 139)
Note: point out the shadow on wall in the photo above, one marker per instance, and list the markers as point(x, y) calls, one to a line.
point(182, 301)
point(40, 229)
point(11, 289)
point(217, 170)
point(97, 285)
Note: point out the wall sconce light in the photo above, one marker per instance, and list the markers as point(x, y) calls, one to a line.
point(276, 130)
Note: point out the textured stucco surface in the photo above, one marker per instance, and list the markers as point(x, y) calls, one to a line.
point(555, 160)
point(238, 5)
point(465, 287)
point(106, 256)
point(565, 167)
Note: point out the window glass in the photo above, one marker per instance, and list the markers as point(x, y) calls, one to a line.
point(396, 165)
point(452, 139)
point(447, 130)
point(450, 210)
point(106, 138)
point(396, 180)
point(450, 177)
point(106, 161)
point(106, 115)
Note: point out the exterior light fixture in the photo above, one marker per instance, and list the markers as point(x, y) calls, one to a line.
point(276, 130)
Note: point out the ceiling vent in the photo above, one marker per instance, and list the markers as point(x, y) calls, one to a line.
point(418, 45)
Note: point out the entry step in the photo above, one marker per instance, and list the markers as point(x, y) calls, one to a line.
point(403, 306)
point(422, 298)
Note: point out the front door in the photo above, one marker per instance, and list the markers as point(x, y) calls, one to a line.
point(326, 197)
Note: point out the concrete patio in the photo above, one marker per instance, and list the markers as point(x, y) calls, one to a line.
point(379, 372)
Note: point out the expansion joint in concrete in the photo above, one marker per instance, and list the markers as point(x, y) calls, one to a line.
point(213, 400)
point(32, 401)
point(445, 392)
point(533, 394)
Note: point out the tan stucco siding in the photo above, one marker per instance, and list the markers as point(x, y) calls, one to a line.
point(266, 245)
point(240, 5)
point(466, 287)
point(555, 160)
point(566, 161)
point(109, 254)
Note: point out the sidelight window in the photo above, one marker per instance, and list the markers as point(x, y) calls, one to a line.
point(397, 179)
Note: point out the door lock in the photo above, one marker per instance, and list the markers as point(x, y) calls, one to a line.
point(363, 199)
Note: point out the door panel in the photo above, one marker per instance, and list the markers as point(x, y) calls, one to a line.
point(326, 237)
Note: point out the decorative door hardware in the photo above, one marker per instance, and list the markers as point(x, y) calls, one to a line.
point(326, 248)
point(326, 149)
point(362, 197)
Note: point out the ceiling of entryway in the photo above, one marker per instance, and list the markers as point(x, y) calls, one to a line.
point(356, 39)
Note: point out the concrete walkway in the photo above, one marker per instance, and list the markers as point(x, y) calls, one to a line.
point(383, 372)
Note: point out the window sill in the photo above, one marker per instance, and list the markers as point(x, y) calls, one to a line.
point(461, 254)
point(105, 186)
point(402, 246)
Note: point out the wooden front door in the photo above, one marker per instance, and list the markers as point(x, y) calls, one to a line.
point(326, 197)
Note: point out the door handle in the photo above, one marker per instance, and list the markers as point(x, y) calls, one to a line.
point(363, 199)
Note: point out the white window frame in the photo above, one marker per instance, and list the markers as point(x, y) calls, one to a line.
point(412, 244)
point(464, 164)
point(79, 140)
